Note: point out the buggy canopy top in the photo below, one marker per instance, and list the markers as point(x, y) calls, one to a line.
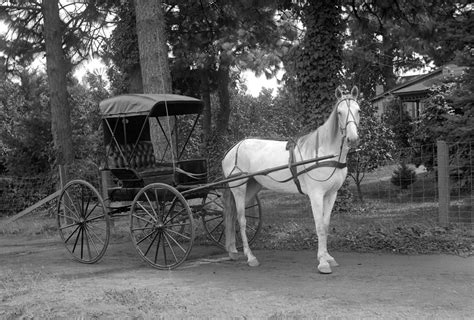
point(153, 105)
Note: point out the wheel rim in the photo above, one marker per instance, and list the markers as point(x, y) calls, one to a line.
point(213, 220)
point(161, 226)
point(83, 221)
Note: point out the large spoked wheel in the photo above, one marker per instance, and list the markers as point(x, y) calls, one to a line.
point(83, 221)
point(161, 226)
point(213, 219)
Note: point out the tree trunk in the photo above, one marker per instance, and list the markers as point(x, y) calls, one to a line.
point(56, 68)
point(155, 69)
point(206, 113)
point(223, 81)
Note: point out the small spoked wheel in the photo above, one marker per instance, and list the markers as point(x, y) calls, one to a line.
point(83, 221)
point(213, 219)
point(161, 226)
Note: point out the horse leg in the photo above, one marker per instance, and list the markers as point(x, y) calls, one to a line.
point(240, 200)
point(328, 204)
point(322, 232)
point(230, 215)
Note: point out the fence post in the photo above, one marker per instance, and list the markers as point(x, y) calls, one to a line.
point(63, 175)
point(443, 182)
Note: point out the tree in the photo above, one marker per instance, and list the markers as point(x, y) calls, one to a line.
point(448, 115)
point(375, 146)
point(25, 133)
point(208, 40)
point(403, 176)
point(156, 77)
point(317, 62)
point(399, 121)
point(56, 70)
point(37, 27)
point(386, 37)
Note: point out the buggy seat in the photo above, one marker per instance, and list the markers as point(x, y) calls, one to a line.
point(135, 167)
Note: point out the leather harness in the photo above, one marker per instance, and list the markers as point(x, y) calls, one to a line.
point(290, 146)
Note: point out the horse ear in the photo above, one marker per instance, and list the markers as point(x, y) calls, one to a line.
point(355, 92)
point(338, 93)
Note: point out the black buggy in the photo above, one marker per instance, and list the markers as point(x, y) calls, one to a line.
point(162, 197)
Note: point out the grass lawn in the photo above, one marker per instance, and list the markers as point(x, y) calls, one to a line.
point(388, 221)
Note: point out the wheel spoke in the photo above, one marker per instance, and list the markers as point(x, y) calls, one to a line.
point(217, 226)
point(144, 209)
point(74, 210)
point(177, 214)
point(72, 233)
point(143, 219)
point(170, 209)
point(158, 246)
point(92, 233)
point(170, 246)
point(151, 204)
point(151, 243)
point(164, 250)
point(68, 226)
point(90, 211)
point(87, 242)
point(178, 233)
point(95, 234)
point(144, 238)
point(221, 235)
point(178, 225)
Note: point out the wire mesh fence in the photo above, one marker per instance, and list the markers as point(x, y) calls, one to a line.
point(412, 183)
point(460, 176)
point(407, 187)
point(18, 193)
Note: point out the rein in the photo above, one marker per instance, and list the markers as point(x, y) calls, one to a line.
point(336, 164)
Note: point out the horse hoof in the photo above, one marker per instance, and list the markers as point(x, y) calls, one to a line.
point(333, 263)
point(253, 263)
point(234, 256)
point(324, 269)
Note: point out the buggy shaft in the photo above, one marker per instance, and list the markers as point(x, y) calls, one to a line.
point(258, 173)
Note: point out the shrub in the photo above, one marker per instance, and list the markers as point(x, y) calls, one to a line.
point(403, 176)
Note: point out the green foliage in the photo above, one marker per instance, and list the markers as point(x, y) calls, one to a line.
point(264, 116)
point(25, 135)
point(399, 121)
point(448, 115)
point(375, 146)
point(403, 176)
point(121, 50)
point(317, 62)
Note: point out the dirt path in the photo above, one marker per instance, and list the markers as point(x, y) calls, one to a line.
point(38, 280)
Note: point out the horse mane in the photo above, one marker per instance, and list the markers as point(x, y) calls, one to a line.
point(324, 134)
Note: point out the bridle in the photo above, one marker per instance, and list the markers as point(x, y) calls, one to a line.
point(349, 113)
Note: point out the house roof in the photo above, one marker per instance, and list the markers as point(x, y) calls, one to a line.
point(415, 86)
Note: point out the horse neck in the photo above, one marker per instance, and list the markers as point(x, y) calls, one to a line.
point(328, 139)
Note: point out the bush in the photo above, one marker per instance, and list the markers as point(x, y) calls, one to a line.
point(403, 176)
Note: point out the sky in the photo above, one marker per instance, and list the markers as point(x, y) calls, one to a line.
point(254, 83)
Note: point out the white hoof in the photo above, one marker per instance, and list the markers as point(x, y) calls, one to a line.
point(333, 263)
point(234, 256)
point(253, 262)
point(324, 268)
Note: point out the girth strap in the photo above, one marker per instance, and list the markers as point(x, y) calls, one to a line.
point(290, 146)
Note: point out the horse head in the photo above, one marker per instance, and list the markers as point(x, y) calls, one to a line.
point(348, 109)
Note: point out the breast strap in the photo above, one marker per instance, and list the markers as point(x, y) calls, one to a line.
point(290, 146)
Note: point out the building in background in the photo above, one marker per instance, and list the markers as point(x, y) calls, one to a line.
point(412, 90)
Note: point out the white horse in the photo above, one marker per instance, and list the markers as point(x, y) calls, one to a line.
point(320, 181)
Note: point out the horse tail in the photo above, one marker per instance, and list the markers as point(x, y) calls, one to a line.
point(230, 215)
